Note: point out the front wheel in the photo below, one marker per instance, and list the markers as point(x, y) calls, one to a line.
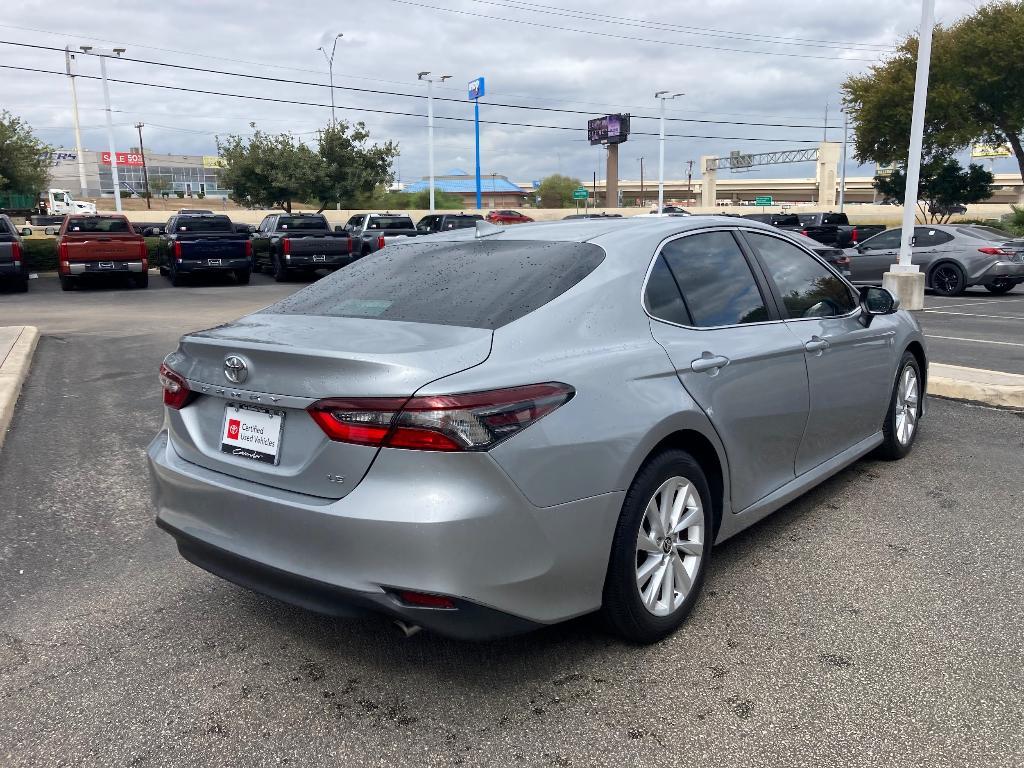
point(660, 550)
point(1000, 286)
point(900, 426)
point(948, 279)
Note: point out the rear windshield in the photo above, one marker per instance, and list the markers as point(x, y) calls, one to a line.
point(824, 219)
point(461, 222)
point(778, 219)
point(302, 222)
point(390, 222)
point(985, 233)
point(474, 284)
point(97, 225)
point(204, 224)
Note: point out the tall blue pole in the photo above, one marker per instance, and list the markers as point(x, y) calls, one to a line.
point(476, 126)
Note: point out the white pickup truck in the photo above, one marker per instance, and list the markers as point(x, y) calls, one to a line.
point(372, 231)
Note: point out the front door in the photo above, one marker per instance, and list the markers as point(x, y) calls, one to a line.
point(733, 355)
point(873, 258)
point(848, 365)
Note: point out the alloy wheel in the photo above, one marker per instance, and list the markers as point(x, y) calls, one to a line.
point(907, 395)
point(669, 546)
point(946, 279)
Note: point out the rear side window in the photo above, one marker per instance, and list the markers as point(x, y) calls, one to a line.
point(806, 287)
point(475, 284)
point(717, 285)
point(662, 297)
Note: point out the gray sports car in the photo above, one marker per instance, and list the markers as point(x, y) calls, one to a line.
point(953, 257)
point(484, 431)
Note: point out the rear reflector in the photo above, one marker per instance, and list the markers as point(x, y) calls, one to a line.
point(176, 392)
point(472, 421)
point(424, 600)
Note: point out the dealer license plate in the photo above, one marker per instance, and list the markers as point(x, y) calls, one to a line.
point(252, 433)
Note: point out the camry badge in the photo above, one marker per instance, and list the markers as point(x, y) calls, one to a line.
point(235, 369)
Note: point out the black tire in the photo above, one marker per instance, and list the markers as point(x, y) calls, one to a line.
point(256, 266)
point(20, 285)
point(177, 279)
point(999, 287)
point(948, 279)
point(277, 269)
point(141, 279)
point(893, 448)
point(67, 283)
point(622, 607)
point(242, 276)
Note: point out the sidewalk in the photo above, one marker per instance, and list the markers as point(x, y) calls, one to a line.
point(1005, 390)
point(17, 343)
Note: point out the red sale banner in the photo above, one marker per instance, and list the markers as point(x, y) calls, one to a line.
point(123, 158)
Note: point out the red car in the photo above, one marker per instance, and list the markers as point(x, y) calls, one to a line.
point(507, 217)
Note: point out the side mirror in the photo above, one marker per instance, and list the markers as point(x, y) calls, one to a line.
point(26, 232)
point(876, 301)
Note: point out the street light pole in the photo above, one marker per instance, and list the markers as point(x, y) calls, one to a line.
point(662, 96)
point(430, 128)
point(842, 182)
point(68, 58)
point(330, 71)
point(103, 54)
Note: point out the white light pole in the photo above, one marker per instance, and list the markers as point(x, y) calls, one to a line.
point(68, 58)
point(330, 70)
point(842, 182)
point(430, 128)
point(905, 278)
point(103, 54)
point(662, 96)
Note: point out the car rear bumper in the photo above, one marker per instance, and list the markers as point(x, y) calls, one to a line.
point(97, 268)
point(10, 269)
point(1013, 270)
point(329, 261)
point(445, 524)
point(212, 265)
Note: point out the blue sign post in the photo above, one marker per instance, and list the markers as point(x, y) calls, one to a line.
point(476, 90)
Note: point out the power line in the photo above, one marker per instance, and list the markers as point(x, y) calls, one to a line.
point(390, 111)
point(374, 91)
point(753, 37)
point(625, 37)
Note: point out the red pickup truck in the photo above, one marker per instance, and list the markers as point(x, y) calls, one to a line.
point(99, 244)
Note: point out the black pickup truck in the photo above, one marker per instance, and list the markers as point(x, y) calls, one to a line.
point(835, 229)
point(204, 243)
point(300, 242)
point(12, 263)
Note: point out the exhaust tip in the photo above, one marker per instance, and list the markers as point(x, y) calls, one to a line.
point(407, 629)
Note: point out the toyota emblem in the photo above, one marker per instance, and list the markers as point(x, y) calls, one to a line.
point(235, 369)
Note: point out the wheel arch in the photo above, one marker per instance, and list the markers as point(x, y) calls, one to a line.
point(917, 350)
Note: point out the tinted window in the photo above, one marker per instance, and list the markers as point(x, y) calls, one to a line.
point(888, 239)
point(98, 225)
point(204, 224)
point(717, 284)
point(476, 284)
point(301, 222)
point(923, 236)
point(807, 288)
point(663, 299)
point(390, 222)
point(461, 222)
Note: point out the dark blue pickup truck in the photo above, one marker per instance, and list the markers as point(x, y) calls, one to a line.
point(203, 243)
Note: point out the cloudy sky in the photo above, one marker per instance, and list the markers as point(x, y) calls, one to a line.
point(741, 63)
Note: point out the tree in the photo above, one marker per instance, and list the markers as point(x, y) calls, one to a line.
point(556, 191)
point(943, 183)
point(24, 159)
point(351, 167)
point(269, 171)
point(974, 91)
point(159, 186)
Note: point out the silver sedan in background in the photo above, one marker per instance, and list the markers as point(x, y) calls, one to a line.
point(484, 431)
point(953, 257)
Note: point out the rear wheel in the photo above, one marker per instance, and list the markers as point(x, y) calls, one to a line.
point(20, 284)
point(176, 277)
point(141, 279)
point(948, 279)
point(1000, 286)
point(660, 550)
point(900, 426)
point(67, 283)
point(242, 276)
point(278, 269)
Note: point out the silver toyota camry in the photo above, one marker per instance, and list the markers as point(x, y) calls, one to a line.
point(484, 431)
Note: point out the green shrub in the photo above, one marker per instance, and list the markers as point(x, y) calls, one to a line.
point(180, 194)
point(1014, 222)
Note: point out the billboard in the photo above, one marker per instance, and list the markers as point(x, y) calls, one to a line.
point(990, 150)
point(610, 129)
point(123, 158)
point(212, 161)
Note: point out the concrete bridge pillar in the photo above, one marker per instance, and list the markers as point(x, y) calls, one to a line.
point(708, 183)
point(827, 172)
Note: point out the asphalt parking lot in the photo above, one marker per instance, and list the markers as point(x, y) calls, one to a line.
point(878, 620)
point(977, 329)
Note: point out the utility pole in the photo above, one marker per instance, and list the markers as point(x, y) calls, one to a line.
point(689, 179)
point(662, 96)
point(824, 135)
point(842, 182)
point(330, 71)
point(68, 58)
point(641, 181)
point(145, 171)
point(115, 177)
point(430, 127)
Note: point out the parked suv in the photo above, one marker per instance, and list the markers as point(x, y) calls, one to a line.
point(100, 246)
point(482, 433)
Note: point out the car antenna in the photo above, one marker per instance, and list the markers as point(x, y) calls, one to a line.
point(486, 229)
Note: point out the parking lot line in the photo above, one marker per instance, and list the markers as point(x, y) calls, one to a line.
point(976, 341)
point(971, 314)
point(970, 304)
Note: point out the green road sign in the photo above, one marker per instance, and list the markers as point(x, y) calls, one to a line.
point(764, 200)
point(580, 194)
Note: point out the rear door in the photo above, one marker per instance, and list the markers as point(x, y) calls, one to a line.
point(734, 356)
point(848, 366)
point(870, 260)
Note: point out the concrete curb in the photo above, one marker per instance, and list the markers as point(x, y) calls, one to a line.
point(13, 370)
point(1004, 390)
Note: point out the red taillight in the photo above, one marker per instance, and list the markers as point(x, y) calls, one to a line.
point(62, 257)
point(995, 251)
point(380, 242)
point(854, 235)
point(177, 252)
point(16, 254)
point(350, 244)
point(425, 600)
point(804, 233)
point(474, 421)
point(286, 246)
point(248, 249)
point(176, 392)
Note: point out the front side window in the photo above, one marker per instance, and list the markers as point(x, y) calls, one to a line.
point(883, 241)
point(716, 282)
point(807, 288)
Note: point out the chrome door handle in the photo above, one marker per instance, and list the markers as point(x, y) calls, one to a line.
point(816, 344)
point(708, 363)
